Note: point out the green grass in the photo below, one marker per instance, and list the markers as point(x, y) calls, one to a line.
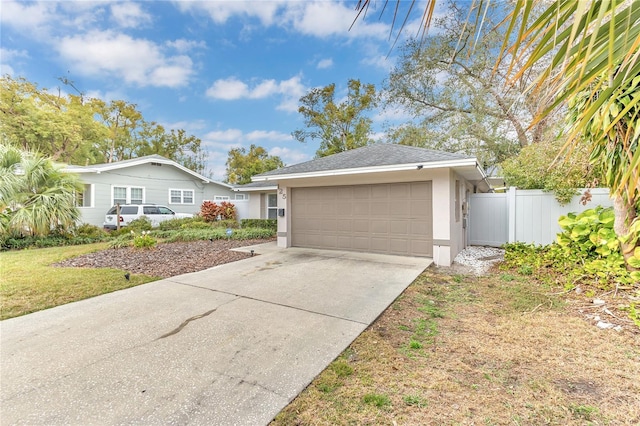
point(377, 400)
point(28, 282)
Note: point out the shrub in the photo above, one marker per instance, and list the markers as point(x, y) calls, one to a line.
point(587, 250)
point(209, 211)
point(227, 223)
point(260, 223)
point(212, 212)
point(227, 211)
point(144, 240)
point(186, 222)
point(142, 223)
point(219, 234)
point(91, 231)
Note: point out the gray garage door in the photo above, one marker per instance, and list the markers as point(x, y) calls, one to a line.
point(391, 218)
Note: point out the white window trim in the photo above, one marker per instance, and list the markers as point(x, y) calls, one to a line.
point(245, 197)
point(92, 191)
point(128, 196)
point(182, 191)
point(274, 208)
point(221, 198)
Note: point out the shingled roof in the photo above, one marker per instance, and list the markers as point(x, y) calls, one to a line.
point(381, 154)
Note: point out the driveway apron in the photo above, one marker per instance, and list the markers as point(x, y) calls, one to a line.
point(231, 345)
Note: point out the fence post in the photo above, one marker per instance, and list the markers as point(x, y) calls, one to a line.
point(511, 206)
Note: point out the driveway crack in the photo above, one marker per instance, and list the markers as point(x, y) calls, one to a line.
point(184, 324)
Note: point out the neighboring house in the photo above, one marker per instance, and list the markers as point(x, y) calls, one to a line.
point(383, 198)
point(150, 179)
point(261, 200)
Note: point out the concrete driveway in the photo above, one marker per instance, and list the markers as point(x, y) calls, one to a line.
point(231, 345)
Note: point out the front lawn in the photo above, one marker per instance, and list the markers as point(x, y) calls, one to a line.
point(29, 283)
point(495, 350)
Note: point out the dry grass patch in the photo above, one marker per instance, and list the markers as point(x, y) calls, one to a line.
point(491, 350)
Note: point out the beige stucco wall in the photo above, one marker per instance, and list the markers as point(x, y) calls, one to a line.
point(448, 235)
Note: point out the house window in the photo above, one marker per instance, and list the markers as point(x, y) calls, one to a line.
point(84, 198)
point(272, 206)
point(181, 196)
point(221, 198)
point(128, 195)
point(242, 196)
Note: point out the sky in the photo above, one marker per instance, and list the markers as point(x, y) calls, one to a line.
point(229, 72)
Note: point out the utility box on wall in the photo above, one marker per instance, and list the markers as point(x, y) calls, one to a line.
point(281, 212)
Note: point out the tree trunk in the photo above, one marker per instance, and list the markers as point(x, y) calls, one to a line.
point(625, 213)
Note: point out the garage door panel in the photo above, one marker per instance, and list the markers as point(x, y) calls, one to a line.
point(361, 225)
point(380, 227)
point(360, 243)
point(345, 192)
point(398, 227)
point(380, 245)
point(380, 192)
point(361, 192)
point(329, 225)
point(400, 191)
point(397, 246)
point(384, 218)
point(419, 227)
point(345, 243)
point(360, 208)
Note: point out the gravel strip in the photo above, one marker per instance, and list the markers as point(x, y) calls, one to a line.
point(479, 259)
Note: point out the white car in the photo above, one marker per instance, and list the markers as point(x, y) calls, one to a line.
point(129, 212)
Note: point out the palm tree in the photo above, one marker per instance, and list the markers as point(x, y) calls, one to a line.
point(36, 195)
point(594, 48)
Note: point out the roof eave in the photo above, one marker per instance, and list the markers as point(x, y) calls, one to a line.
point(115, 166)
point(375, 169)
point(256, 188)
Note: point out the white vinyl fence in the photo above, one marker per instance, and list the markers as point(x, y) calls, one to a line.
point(528, 216)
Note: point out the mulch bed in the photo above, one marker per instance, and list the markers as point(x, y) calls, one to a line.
point(167, 259)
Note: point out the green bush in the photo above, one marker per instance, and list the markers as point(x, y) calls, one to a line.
point(227, 223)
point(20, 243)
point(218, 234)
point(587, 251)
point(91, 231)
point(259, 223)
point(123, 240)
point(142, 223)
point(186, 222)
point(144, 241)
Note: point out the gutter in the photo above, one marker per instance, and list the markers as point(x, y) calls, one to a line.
point(377, 169)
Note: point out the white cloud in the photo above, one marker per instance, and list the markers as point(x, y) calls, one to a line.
point(221, 11)
point(129, 15)
point(289, 156)
point(182, 45)
point(228, 89)
point(231, 88)
point(229, 137)
point(31, 17)
point(136, 61)
point(10, 55)
point(314, 18)
point(268, 135)
point(325, 63)
point(324, 19)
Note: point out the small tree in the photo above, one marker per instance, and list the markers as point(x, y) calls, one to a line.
point(242, 164)
point(212, 212)
point(36, 195)
point(338, 127)
point(539, 166)
point(612, 134)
